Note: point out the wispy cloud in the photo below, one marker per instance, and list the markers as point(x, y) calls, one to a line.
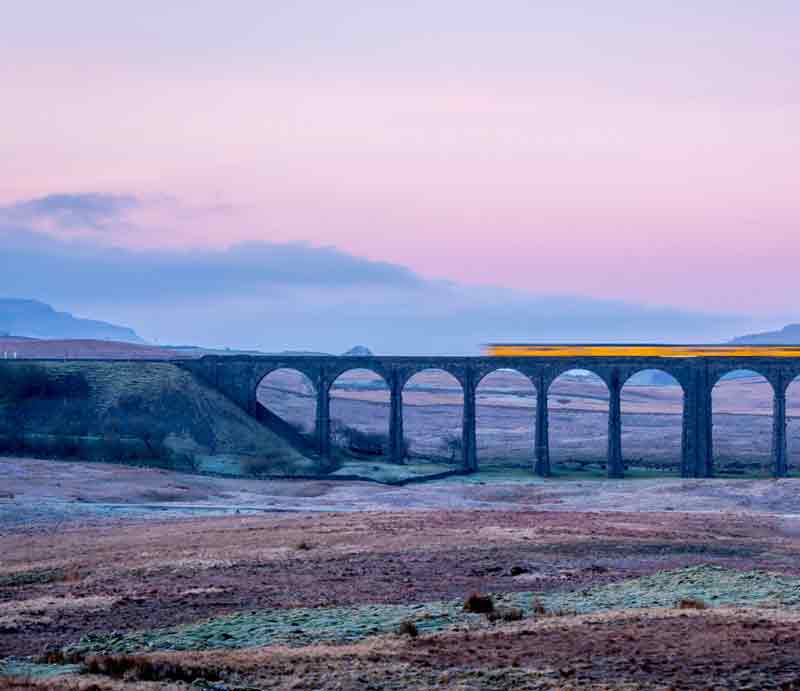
point(83, 269)
point(293, 295)
point(70, 211)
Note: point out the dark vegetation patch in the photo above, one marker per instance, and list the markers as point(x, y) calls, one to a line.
point(34, 577)
point(538, 607)
point(358, 442)
point(611, 549)
point(479, 604)
point(504, 613)
point(52, 411)
point(140, 668)
point(138, 413)
point(408, 628)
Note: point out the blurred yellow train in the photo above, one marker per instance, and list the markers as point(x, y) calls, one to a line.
point(640, 350)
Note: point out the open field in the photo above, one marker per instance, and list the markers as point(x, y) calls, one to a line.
point(119, 577)
point(587, 580)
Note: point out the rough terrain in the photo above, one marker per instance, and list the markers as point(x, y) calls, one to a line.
point(637, 584)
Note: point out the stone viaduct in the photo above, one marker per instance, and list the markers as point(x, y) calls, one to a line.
point(238, 378)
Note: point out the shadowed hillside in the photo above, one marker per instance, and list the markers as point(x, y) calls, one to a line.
point(144, 413)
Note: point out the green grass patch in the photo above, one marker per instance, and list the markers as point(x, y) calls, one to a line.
point(25, 669)
point(303, 626)
point(295, 627)
point(35, 577)
point(713, 584)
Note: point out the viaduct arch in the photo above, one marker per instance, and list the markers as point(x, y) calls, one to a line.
point(560, 407)
point(674, 395)
point(238, 377)
point(504, 381)
point(355, 426)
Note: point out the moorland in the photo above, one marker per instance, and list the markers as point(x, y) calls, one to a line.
point(142, 578)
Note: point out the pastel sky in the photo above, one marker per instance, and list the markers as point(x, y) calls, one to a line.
point(624, 150)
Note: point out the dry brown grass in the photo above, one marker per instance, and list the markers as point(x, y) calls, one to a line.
point(40, 610)
point(691, 603)
point(58, 684)
point(140, 668)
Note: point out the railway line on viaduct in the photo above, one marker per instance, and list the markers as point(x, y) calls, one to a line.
point(696, 368)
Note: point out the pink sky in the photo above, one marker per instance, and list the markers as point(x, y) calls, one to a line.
point(647, 155)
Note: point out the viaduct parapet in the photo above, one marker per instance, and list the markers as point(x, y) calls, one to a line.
point(238, 377)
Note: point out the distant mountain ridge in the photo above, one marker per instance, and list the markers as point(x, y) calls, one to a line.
point(34, 319)
point(788, 335)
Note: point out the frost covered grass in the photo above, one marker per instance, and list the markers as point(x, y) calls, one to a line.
point(296, 627)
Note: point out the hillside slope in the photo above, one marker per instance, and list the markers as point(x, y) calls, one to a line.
point(145, 413)
point(788, 335)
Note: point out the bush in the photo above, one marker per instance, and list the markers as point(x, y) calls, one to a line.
point(505, 614)
point(357, 441)
point(408, 628)
point(133, 417)
point(139, 668)
point(479, 604)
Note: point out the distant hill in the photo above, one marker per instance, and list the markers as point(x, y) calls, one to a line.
point(358, 351)
point(20, 348)
point(199, 351)
point(788, 335)
point(34, 319)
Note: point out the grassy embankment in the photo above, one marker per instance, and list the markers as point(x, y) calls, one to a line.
point(142, 413)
